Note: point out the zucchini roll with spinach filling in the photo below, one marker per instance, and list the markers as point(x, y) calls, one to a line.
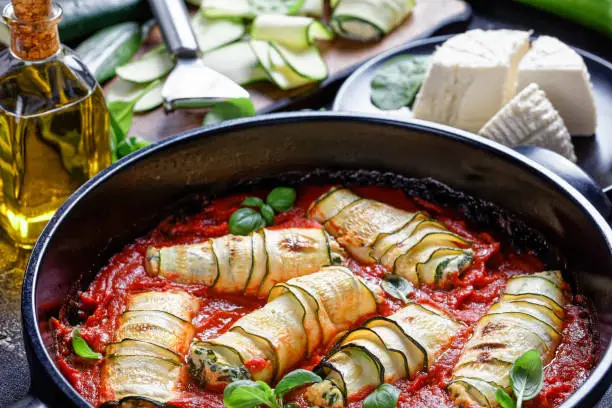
point(383, 350)
point(249, 264)
point(411, 245)
point(301, 315)
point(529, 316)
point(145, 361)
point(368, 20)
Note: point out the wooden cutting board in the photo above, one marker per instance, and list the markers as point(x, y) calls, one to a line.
point(342, 58)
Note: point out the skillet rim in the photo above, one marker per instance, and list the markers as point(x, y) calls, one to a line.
point(590, 391)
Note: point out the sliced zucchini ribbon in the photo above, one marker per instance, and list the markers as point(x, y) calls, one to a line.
point(383, 350)
point(368, 20)
point(285, 47)
point(529, 316)
point(301, 315)
point(144, 362)
point(411, 245)
point(249, 264)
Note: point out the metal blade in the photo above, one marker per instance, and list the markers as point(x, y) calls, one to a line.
point(193, 85)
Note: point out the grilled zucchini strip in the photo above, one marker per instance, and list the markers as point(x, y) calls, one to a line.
point(411, 245)
point(250, 264)
point(368, 20)
point(382, 350)
point(145, 360)
point(528, 316)
point(300, 316)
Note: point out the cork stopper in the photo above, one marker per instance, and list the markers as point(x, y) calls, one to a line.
point(34, 32)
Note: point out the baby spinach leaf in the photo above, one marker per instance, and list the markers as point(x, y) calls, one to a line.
point(397, 287)
point(295, 379)
point(282, 198)
point(81, 348)
point(527, 376)
point(396, 83)
point(244, 221)
point(268, 214)
point(385, 396)
point(232, 109)
point(504, 400)
point(248, 394)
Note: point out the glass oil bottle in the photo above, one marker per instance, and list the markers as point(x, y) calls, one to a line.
point(54, 124)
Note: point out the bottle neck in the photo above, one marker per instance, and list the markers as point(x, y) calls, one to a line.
point(34, 28)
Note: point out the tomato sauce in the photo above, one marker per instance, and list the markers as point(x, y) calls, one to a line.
point(468, 298)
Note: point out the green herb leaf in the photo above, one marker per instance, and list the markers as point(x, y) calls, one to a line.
point(252, 202)
point(81, 348)
point(295, 379)
point(268, 214)
point(396, 84)
point(504, 400)
point(232, 109)
point(282, 198)
point(244, 221)
point(397, 287)
point(385, 396)
point(130, 145)
point(527, 376)
point(248, 394)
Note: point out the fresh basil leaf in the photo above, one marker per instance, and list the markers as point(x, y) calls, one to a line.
point(396, 84)
point(252, 202)
point(385, 396)
point(268, 214)
point(281, 198)
point(527, 376)
point(295, 379)
point(81, 348)
point(248, 394)
point(504, 400)
point(397, 287)
point(244, 221)
point(130, 145)
point(123, 111)
point(232, 109)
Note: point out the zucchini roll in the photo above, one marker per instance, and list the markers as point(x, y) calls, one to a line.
point(368, 20)
point(384, 349)
point(249, 264)
point(145, 360)
point(301, 315)
point(528, 316)
point(411, 245)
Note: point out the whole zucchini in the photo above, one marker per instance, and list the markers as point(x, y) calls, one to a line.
point(84, 17)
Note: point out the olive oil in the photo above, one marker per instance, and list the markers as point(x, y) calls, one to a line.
point(54, 135)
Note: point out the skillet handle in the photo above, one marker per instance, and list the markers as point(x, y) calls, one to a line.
point(30, 401)
point(574, 175)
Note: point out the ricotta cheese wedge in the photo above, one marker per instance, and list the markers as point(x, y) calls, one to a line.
point(563, 75)
point(471, 77)
point(530, 119)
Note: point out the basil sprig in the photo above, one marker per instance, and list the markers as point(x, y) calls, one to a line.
point(526, 379)
point(397, 287)
point(251, 394)
point(81, 348)
point(256, 213)
point(121, 116)
point(385, 396)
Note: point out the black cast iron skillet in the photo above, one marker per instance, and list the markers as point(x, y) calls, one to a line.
point(128, 199)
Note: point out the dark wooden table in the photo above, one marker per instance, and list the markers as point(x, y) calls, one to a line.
point(14, 373)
